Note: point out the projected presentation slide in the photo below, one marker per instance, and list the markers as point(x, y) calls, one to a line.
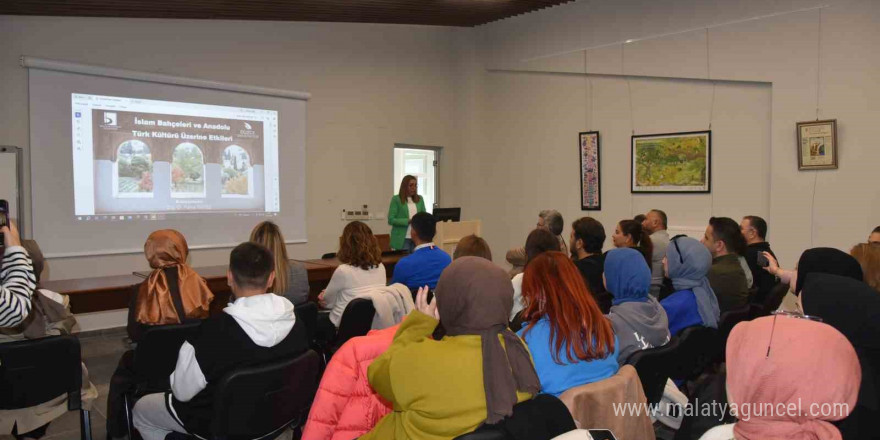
point(137, 158)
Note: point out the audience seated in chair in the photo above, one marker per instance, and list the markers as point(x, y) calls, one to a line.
point(291, 277)
point(346, 406)
point(26, 313)
point(754, 230)
point(868, 256)
point(173, 294)
point(257, 327)
point(571, 342)
point(538, 242)
point(631, 234)
point(779, 371)
point(728, 276)
point(694, 303)
point(361, 269)
point(587, 239)
point(639, 321)
point(852, 307)
point(448, 385)
point(655, 223)
point(548, 220)
point(472, 246)
point(424, 266)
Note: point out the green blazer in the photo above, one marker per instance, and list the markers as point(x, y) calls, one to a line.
point(398, 218)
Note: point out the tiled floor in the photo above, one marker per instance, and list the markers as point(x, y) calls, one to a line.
point(101, 353)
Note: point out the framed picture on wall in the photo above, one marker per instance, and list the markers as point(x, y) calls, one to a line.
point(672, 163)
point(588, 149)
point(817, 145)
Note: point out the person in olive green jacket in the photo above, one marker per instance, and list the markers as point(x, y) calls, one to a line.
point(403, 207)
point(447, 385)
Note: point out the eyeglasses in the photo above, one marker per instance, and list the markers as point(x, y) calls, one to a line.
point(787, 314)
point(674, 241)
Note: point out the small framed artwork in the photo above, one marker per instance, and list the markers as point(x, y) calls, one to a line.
point(588, 148)
point(817, 145)
point(672, 163)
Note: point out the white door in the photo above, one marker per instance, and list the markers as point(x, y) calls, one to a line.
point(421, 163)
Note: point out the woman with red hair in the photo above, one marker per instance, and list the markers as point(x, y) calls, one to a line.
point(571, 342)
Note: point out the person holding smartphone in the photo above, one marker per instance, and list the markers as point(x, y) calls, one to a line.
point(17, 280)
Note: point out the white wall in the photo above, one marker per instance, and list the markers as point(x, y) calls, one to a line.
point(372, 86)
point(770, 55)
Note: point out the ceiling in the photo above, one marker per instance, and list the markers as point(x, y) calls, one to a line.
point(426, 12)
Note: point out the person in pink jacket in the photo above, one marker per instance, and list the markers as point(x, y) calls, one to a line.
point(346, 406)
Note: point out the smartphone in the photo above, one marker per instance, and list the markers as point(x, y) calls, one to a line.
point(762, 260)
point(602, 434)
point(4, 217)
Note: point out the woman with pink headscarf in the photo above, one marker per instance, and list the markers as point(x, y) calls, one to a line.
point(788, 378)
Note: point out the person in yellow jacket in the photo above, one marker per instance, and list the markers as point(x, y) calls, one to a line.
point(442, 386)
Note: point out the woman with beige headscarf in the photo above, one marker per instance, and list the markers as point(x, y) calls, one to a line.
point(172, 285)
point(472, 371)
point(172, 294)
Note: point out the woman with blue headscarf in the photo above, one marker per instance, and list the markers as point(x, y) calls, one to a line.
point(686, 263)
point(638, 319)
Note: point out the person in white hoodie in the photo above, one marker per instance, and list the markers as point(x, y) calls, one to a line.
point(256, 327)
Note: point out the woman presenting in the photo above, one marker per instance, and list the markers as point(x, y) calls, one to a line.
point(404, 206)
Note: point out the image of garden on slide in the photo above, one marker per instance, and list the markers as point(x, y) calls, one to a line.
point(671, 161)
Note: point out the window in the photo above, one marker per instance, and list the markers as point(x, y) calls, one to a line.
point(187, 171)
point(421, 163)
point(236, 176)
point(133, 170)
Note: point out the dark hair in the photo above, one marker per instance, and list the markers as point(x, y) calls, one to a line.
point(726, 230)
point(639, 218)
point(662, 216)
point(641, 239)
point(359, 247)
point(552, 220)
point(591, 232)
point(472, 246)
point(876, 230)
point(759, 224)
point(404, 184)
point(36, 255)
point(251, 264)
point(424, 225)
point(540, 241)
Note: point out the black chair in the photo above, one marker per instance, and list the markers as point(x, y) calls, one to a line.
point(357, 320)
point(543, 416)
point(654, 367)
point(730, 319)
point(155, 358)
point(261, 401)
point(774, 299)
point(308, 314)
point(328, 255)
point(36, 371)
point(697, 349)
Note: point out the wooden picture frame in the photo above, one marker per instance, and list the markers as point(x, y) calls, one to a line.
point(590, 177)
point(817, 145)
point(671, 162)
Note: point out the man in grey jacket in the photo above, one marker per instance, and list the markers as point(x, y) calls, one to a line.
point(655, 224)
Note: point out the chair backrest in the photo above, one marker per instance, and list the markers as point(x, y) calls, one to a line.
point(260, 400)
point(654, 367)
point(591, 405)
point(774, 298)
point(156, 354)
point(698, 348)
point(730, 319)
point(308, 314)
point(543, 416)
point(38, 370)
point(357, 319)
